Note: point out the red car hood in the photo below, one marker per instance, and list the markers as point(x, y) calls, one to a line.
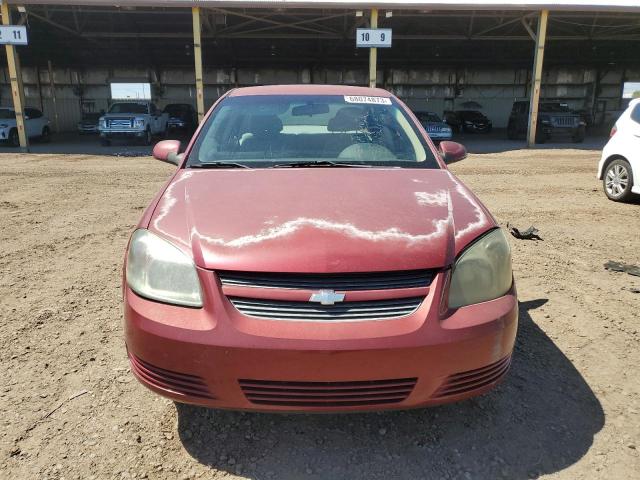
point(319, 219)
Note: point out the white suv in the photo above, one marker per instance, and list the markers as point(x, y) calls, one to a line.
point(620, 162)
point(36, 125)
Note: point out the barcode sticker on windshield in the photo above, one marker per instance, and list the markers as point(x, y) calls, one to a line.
point(365, 99)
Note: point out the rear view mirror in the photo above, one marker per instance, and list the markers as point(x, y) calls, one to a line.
point(310, 109)
point(452, 152)
point(167, 151)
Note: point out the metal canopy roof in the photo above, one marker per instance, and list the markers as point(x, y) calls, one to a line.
point(558, 5)
point(108, 35)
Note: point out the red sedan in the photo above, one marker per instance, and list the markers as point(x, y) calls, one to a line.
point(313, 253)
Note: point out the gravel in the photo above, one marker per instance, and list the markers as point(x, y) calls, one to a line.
point(569, 407)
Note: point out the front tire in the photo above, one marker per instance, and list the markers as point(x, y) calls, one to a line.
point(14, 138)
point(618, 180)
point(105, 142)
point(148, 138)
point(578, 137)
point(45, 136)
point(512, 133)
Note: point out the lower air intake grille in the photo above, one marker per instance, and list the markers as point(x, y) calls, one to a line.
point(180, 383)
point(327, 394)
point(307, 311)
point(464, 382)
point(330, 281)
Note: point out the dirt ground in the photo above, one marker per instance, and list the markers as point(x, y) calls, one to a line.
point(69, 407)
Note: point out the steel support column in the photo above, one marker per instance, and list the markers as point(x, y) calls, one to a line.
point(17, 88)
point(536, 79)
point(373, 52)
point(54, 99)
point(197, 56)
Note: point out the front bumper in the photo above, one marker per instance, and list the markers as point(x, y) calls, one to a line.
point(560, 130)
point(478, 128)
point(217, 357)
point(440, 136)
point(122, 133)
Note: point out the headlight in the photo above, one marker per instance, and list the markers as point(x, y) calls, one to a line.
point(3, 125)
point(138, 123)
point(102, 123)
point(467, 122)
point(158, 270)
point(483, 271)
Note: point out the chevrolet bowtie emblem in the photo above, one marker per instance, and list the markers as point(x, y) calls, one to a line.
point(327, 297)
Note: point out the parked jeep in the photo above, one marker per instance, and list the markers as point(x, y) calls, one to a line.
point(554, 119)
point(182, 116)
point(138, 120)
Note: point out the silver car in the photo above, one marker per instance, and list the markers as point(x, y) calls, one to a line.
point(437, 129)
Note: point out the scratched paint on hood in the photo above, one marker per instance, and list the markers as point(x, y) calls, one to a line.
point(320, 220)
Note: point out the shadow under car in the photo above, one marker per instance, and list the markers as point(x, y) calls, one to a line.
point(540, 420)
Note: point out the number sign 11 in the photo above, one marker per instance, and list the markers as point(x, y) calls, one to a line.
point(13, 35)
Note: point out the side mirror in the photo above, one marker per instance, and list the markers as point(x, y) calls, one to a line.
point(167, 151)
point(451, 152)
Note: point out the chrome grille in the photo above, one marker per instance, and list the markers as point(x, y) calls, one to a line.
point(310, 312)
point(120, 122)
point(327, 394)
point(563, 121)
point(320, 281)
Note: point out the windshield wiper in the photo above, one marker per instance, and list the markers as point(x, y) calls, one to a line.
point(219, 165)
point(318, 163)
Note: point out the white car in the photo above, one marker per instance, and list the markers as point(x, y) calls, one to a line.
point(620, 162)
point(36, 124)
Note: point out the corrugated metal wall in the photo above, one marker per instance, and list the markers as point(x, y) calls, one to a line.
point(436, 89)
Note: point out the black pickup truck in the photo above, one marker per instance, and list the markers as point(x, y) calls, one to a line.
point(554, 119)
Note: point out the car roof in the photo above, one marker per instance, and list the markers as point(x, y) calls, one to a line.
point(309, 90)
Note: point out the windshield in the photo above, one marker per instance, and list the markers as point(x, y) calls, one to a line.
point(7, 114)
point(272, 130)
point(471, 114)
point(177, 109)
point(428, 117)
point(554, 107)
point(90, 117)
point(129, 108)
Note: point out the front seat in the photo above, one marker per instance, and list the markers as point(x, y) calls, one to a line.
point(265, 135)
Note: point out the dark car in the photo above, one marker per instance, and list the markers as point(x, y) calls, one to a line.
point(451, 118)
point(435, 127)
point(89, 123)
point(472, 121)
point(182, 116)
point(554, 119)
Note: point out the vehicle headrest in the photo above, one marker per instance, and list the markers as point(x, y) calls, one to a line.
point(265, 125)
point(347, 119)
